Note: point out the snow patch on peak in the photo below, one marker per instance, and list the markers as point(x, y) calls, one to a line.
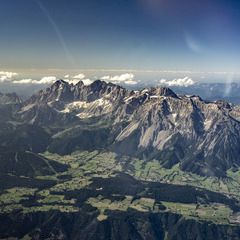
point(208, 124)
point(84, 109)
point(145, 91)
point(154, 96)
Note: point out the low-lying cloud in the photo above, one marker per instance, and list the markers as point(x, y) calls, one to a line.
point(51, 79)
point(44, 80)
point(180, 82)
point(87, 81)
point(126, 78)
point(7, 76)
point(79, 77)
point(13, 78)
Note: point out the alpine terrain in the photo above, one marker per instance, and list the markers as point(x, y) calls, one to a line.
point(100, 161)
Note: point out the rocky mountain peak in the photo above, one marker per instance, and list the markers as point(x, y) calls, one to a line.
point(10, 98)
point(79, 84)
point(163, 91)
point(223, 104)
point(98, 84)
point(60, 85)
point(60, 82)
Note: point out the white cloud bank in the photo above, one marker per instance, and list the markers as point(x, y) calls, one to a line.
point(180, 82)
point(75, 79)
point(24, 81)
point(44, 80)
point(7, 76)
point(47, 80)
point(126, 78)
point(79, 76)
point(51, 79)
point(87, 81)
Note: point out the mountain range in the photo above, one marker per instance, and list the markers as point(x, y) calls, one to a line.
point(99, 161)
point(154, 123)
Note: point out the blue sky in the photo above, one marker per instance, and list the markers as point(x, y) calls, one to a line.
point(131, 34)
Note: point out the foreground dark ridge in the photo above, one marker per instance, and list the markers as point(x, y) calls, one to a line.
point(155, 123)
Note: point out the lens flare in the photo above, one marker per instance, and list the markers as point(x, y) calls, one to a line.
point(192, 43)
point(57, 31)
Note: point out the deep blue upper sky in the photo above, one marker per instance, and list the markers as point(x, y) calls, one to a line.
point(114, 34)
